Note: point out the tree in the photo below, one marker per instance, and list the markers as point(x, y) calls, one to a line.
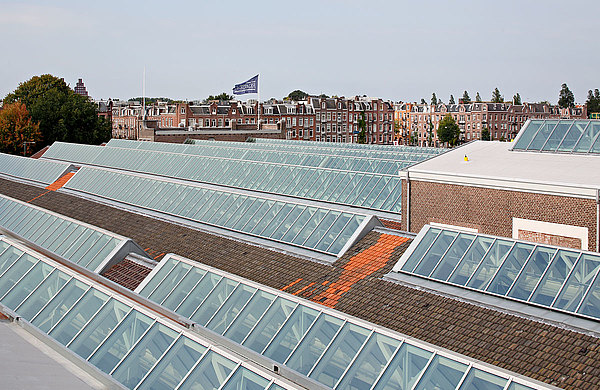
point(434, 100)
point(566, 99)
point(496, 97)
point(222, 96)
point(478, 98)
point(517, 100)
point(465, 98)
point(297, 95)
point(423, 101)
point(17, 130)
point(448, 130)
point(451, 101)
point(362, 125)
point(485, 134)
point(593, 101)
point(61, 113)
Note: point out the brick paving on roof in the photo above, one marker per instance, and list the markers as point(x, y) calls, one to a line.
point(353, 285)
point(127, 273)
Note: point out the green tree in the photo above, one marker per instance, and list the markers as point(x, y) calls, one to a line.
point(18, 131)
point(478, 98)
point(466, 99)
point(222, 96)
point(566, 99)
point(496, 97)
point(593, 101)
point(297, 95)
point(434, 100)
point(485, 134)
point(362, 125)
point(517, 100)
point(448, 131)
point(451, 101)
point(61, 113)
point(423, 101)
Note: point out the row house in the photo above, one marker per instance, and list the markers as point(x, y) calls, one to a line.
point(418, 123)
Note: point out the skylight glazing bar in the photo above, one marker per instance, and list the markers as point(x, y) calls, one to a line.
point(587, 290)
point(481, 261)
point(327, 347)
point(66, 311)
point(564, 283)
point(132, 347)
point(502, 262)
point(542, 276)
point(362, 347)
point(149, 372)
point(68, 344)
point(114, 329)
point(524, 267)
point(177, 285)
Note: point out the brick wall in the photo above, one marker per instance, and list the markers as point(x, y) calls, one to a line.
point(551, 239)
point(490, 210)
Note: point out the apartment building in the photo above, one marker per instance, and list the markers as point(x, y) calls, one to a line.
point(418, 123)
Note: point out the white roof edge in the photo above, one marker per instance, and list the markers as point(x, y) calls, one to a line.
point(540, 186)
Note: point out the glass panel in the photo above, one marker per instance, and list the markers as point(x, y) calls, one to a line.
point(273, 225)
point(518, 386)
point(333, 232)
point(404, 369)
point(535, 268)
point(471, 260)
point(442, 373)
point(291, 333)
point(312, 222)
point(268, 216)
point(453, 256)
point(214, 300)
point(170, 282)
point(198, 294)
point(244, 379)
point(542, 135)
point(96, 331)
point(587, 139)
point(59, 305)
point(96, 255)
point(47, 289)
point(325, 225)
point(368, 365)
point(555, 277)
point(269, 324)
point(557, 135)
point(158, 277)
point(8, 257)
point(120, 341)
point(345, 235)
point(420, 250)
point(212, 371)
point(145, 354)
point(183, 288)
point(339, 355)
point(510, 269)
point(490, 264)
point(573, 135)
point(230, 309)
point(580, 279)
point(435, 253)
point(172, 368)
point(77, 317)
point(14, 273)
point(27, 284)
point(527, 135)
point(481, 380)
point(249, 316)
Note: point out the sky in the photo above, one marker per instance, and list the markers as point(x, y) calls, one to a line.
point(396, 50)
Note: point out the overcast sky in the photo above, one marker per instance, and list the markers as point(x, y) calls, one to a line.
point(398, 50)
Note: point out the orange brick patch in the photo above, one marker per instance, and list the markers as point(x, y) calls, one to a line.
point(60, 182)
point(358, 267)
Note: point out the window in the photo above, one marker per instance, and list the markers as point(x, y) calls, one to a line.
point(214, 123)
point(183, 109)
point(294, 121)
point(318, 128)
point(300, 122)
point(328, 116)
point(318, 116)
point(301, 133)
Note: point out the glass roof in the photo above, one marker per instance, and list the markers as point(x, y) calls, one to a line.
point(291, 155)
point(136, 346)
point(314, 228)
point(42, 171)
point(86, 245)
point(349, 145)
point(338, 351)
point(364, 190)
point(553, 277)
point(564, 136)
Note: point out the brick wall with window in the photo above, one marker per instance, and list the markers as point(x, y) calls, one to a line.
point(491, 211)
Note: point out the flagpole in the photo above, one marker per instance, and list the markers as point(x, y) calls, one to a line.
point(258, 106)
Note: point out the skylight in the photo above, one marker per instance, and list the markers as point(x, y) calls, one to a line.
point(564, 135)
point(557, 278)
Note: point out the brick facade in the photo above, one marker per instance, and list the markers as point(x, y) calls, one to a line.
point(491, 211)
